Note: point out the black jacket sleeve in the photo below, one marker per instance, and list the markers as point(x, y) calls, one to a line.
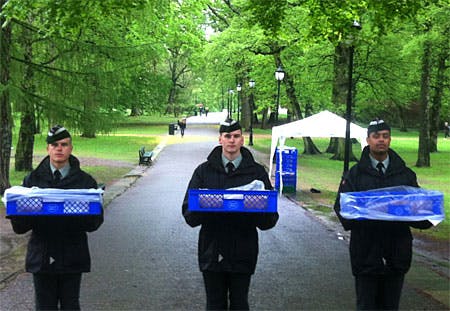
point(343, 187)
point(21, 224)
point(265, 221)
point(194, 219)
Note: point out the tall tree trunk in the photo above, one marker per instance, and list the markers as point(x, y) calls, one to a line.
point(308, 145)
point(264, 118)
point(171, 101)
point(401, 113)
point(5, 105)
point(339, 154)
point(135, 111)
point(25, 144)
point(339, 96)
point(290, 88)
point(436, 100)
point(332, 145)
point(340, 81)
point(88, 118)
point(89, 121)
point(38, 113)
point(424, 135)
point(246, 111)
point(173, 65)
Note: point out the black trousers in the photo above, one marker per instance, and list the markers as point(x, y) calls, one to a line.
point(378, 292)
point(223, 285)
point(57, 291)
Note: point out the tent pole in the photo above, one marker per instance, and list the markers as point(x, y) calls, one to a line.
point(348, 114)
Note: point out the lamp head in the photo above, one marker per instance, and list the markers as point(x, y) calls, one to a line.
point(356, 25)
point(279, 74)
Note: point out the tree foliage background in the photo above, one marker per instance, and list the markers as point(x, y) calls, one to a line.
point(89, 64)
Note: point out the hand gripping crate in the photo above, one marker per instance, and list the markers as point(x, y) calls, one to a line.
point(402, 203)
point(22, 201)
point(220, 200)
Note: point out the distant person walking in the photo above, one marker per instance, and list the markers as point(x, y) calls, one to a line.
point(182, 126)
point(58, 250)
point(228, 242)
point(446, 130)
point(380, 251)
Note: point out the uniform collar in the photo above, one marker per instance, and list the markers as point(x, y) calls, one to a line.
point(236, 162)
point(64, 170)
point(374, 162)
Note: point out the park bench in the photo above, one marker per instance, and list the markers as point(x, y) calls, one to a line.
point(145, 157)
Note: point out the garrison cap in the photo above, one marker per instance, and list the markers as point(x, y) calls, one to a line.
point(229, 126)
point(56, 133)
point(377, 125)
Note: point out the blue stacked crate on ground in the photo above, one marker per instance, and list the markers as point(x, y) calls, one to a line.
point(220, 200)
point(288, 156)
point(286, 168)
point(289, 182)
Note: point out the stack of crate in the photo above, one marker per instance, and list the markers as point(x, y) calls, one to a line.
point(286, 169)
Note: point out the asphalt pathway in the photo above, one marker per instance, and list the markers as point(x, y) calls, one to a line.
point(144, 257)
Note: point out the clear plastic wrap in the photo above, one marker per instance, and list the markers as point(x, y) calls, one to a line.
point(401, 203)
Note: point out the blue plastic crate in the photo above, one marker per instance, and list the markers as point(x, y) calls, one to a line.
point(21, 201)
point(288, 159)
point(220, 200)
point(401, 203)
point(289, 181)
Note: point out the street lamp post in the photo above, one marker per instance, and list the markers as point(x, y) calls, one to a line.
point(228, 103)
point(230, 92)
point(279, 76)
point(348, 113)
point(238, 89)
point(222, 103)
point(251, 83)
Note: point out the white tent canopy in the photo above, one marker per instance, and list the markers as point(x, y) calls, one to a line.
point(322, 124)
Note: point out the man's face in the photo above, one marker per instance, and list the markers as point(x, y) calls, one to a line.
point(379, 142)
point(231, 143)
point(59, 151)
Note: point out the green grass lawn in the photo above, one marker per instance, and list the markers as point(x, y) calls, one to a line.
point(119, 149)
point(120, 152)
